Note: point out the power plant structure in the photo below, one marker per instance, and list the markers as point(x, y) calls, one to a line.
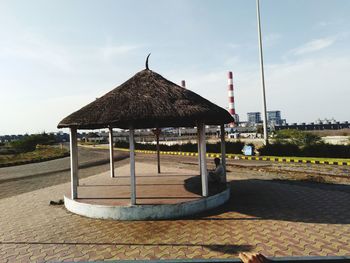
point(231, 100)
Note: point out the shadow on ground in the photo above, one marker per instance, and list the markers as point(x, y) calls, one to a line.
point(285, 200)
point(230, 249)
point(194, 185)
point(227, 249)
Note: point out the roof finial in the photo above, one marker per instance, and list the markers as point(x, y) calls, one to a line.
point(147, 61)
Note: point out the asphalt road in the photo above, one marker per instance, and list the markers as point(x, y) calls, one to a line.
point(87, 157)
point(21, 179)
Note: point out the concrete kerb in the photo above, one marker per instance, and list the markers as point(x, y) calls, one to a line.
point(147, 212)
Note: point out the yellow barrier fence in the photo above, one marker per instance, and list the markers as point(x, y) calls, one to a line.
point(253, 158)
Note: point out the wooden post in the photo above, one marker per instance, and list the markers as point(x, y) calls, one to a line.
point(223, 149)
point(111, 152)
point(158, 152)
point(74, 163)
point(204, 172)
point(132, 166)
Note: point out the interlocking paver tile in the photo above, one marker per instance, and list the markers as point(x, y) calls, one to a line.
point(277, 218)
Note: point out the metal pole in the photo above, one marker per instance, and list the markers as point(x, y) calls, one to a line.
point(111, 152)
point(262, 73)
point(132, 166)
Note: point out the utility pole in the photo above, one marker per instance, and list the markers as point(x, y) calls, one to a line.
point(262, 73)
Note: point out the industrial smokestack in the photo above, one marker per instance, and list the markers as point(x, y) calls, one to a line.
point(231, 99)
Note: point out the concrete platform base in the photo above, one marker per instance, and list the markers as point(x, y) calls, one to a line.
point(174, 193)
point(147, 212)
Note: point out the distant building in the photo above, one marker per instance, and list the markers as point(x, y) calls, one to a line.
point(254, 117)
point(274, 117)
point(319, 125)
point(93, 137)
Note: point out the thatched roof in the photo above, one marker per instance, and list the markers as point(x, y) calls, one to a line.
point(147, 100)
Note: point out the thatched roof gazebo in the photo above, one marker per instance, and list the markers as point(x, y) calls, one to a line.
point(147, 100)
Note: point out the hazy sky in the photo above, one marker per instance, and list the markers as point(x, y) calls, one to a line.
point(57, 56)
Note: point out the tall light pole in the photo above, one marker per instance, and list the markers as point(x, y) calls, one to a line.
point(262, 73)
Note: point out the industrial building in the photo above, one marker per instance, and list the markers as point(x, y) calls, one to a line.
point(254, 117)
point(273, 118)
point(335, 125)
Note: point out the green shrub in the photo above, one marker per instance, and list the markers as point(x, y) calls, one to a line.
point(121, 144)
point(28, 143)
point(234, 147)
point(300, 138)
point(316, 150)
point(280, 149)
point(327, 151)
point(296, 137)
point(310, 139)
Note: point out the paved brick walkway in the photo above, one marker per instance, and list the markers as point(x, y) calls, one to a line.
point(278, 218)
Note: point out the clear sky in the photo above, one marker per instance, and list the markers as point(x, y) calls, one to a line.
point(57, 56)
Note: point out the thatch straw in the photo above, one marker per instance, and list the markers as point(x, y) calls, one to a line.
point(147, 100)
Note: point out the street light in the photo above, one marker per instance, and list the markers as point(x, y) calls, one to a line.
point(262, 73)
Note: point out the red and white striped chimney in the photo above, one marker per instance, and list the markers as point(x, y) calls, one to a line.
point(183, 84)
point(231, 99)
